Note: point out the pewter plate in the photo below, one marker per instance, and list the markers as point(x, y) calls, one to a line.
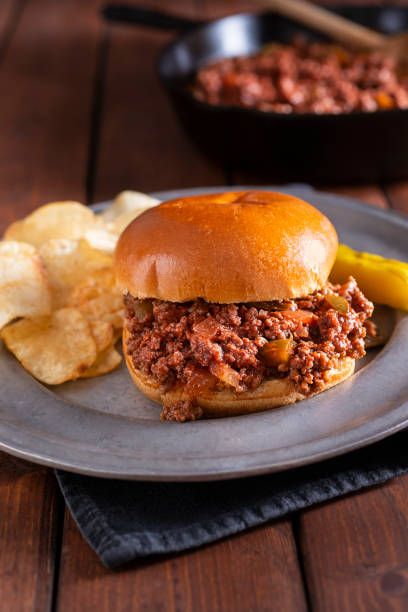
point(106, 427)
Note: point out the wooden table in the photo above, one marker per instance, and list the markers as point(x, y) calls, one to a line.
point(82, 117)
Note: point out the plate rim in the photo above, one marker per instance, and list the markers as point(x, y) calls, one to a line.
point(375, 428)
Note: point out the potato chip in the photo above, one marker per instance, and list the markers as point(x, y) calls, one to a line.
point(128, 201)
point(67, 263)
point(107, 307)
point(14, 231)
point(99, 299)
point(72, 273)
point(102, 239)
point(24, 287)
point(120, 223)
point(93, 285)
point(53, 349)
point(117, 319)
point(102, 332)
point(69, 220)
point(107, 361)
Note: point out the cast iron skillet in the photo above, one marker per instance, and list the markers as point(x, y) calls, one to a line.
point(359, 146)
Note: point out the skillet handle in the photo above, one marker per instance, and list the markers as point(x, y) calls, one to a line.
point(323, 20)
point(122, 13)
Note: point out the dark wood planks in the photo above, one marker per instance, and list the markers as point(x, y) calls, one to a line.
point(30, 510)
point(8, 14)
point(46, 80)
point(397, 194)
point(141, 145)
point(365, 193)
point(253, 571)
point(30, 503)
point(356, 551)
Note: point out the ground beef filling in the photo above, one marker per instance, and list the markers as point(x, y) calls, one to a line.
point(197, 347)
point(305, 78)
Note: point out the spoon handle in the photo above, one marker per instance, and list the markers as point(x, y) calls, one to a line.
point(335, 26)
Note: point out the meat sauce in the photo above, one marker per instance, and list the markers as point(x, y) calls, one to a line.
point(305, 78)
point(202, 347)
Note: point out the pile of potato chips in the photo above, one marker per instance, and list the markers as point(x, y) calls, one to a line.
point(60, 310)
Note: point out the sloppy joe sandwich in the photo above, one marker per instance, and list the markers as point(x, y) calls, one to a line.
point(228, 307)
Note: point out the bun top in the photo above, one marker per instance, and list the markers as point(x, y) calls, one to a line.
point(226, 247)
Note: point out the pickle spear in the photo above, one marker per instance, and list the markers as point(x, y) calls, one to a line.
point(384, 281)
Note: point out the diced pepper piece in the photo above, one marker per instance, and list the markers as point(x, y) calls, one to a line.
point(384, 101)
point(338, 303)
point(277, 352)
point(384, 281)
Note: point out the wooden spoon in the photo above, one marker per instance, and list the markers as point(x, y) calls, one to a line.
point(341, 29)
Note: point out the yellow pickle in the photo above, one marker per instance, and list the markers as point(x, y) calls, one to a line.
point(384, 281)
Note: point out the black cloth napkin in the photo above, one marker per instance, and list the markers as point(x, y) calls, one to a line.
point(125, 520)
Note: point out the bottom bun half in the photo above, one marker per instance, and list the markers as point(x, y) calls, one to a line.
point(227, 402)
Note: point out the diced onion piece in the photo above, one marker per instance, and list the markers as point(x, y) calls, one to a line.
point(303, 316)
point(338, 303)
point(226, 374)
point(142, 308)
point(207, 328)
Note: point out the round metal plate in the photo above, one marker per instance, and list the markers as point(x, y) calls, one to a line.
point(106, 427)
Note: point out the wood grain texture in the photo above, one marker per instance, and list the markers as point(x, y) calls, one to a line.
point(397, 194)
point(141, 145)
point(356, 551)
point(46, 79)
point(366, 193)
point(253, 571)
point(9, 13)
point(30, 510)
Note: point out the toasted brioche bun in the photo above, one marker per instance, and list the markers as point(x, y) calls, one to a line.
point(227, 402)
point(226, 248)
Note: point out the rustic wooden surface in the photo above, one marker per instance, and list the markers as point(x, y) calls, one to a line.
point(75, 123)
